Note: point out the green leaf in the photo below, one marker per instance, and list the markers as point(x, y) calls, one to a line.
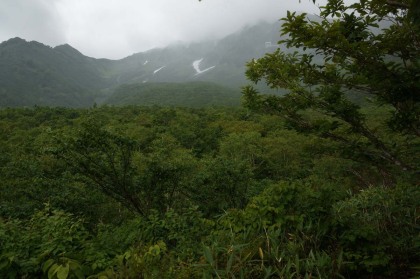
point(208, 255)
point(79, 274)
point(52, 271)
point(229, 263)
point(47, 265)
point(63, 272)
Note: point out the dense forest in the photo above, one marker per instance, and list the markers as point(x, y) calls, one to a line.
point(319, 182)
point(184, 193)
point(193, 94)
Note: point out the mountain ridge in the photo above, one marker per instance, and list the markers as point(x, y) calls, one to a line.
point(32, 73)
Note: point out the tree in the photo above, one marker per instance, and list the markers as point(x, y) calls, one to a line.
point(104, 160)
point(352, 56)
point(117, 166)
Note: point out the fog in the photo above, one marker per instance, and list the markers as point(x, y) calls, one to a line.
point(118, 28)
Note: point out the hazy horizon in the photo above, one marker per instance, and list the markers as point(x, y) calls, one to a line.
point(116, 29)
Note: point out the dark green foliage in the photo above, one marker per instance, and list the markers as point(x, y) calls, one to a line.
point(294, 231)
point(194, 94)
point(140, 179)
point(50, 241)
point(374, 55)
point(320, 185)
point(377, 231)
point(182, 193)
point(283, 232)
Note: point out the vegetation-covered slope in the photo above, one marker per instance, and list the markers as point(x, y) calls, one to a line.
point(34, 74)
point(193, 94)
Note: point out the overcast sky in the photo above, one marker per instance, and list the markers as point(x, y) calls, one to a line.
point(117, 28)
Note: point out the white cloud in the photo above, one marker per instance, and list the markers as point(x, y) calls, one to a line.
point(31, 20)
point(117, 28)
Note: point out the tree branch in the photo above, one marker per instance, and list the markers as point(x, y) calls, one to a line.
point(397, 4)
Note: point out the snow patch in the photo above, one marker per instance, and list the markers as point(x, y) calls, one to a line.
point(196, 66)
point(205, 70)
point(145, 62)
point(157, 70)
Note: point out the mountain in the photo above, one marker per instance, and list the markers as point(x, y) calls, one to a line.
point(32, 73)
point(225, 59)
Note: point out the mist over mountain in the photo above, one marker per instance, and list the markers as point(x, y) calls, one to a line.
point(32, 73)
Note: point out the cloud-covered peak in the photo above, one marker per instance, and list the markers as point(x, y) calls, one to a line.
point(117, 28)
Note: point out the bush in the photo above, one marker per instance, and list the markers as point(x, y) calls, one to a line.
point(378, 230)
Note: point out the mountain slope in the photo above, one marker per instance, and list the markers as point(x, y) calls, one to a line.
point(35, 74)
point(191, 94)
point(225, 59)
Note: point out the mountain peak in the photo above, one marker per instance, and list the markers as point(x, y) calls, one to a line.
point(13, 41)
point(64, 46)
point(67, 49)
point(32, 73)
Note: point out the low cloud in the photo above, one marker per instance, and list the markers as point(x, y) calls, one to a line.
point(118, 28)
point(31, 20)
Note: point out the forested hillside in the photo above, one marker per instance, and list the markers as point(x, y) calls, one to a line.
point(34, 74)
point(192, 94)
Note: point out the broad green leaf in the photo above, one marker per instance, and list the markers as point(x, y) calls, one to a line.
point(47, 265)
point(53, 270)
point(63, 271)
